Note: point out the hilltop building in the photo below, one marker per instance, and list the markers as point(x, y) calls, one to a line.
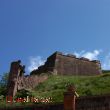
point(61, 64)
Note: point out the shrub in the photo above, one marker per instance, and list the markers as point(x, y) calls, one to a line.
point(23, 93)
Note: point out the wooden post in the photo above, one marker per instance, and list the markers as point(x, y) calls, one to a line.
point(69, 98)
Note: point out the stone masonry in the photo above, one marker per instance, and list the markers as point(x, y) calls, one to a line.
point(57, 63)
point(17, 80)
point(61, 64)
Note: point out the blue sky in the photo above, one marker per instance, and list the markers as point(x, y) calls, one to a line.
point(31, 30)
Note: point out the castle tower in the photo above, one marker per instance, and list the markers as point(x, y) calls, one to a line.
point(16, 71)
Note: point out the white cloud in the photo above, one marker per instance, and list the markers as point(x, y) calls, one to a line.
point(106, 63)
point(79, 54)
point(94, 56)
point(35, 62)
point(90, 55)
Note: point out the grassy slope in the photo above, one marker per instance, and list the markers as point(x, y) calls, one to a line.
point(56, 85)
point(86, 85)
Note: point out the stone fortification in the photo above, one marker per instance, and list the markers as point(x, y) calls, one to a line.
point(17, 80)
point(61, 64)
point(57, 63)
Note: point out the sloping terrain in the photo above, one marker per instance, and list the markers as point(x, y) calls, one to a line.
point(85, 86)
point(55, 86)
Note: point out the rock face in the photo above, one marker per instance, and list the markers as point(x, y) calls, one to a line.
point(61, 64)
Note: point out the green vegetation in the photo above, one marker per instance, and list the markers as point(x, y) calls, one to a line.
point(23, 93)
point(3, 84)
point(85, 85)
point(55, 86)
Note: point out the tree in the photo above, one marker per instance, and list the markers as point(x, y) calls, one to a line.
point(3, 84)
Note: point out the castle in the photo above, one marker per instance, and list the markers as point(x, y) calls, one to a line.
point(61, 64)
point(56, 64)
point(17, 80)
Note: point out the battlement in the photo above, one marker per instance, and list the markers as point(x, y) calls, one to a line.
point(73, 56)
point(69, 65)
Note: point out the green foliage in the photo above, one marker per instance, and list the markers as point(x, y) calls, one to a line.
point(3, 90)
point(55, 86)
point(85, 86)
point(106, 71)
point(4, 79)
point(3, 84)
point(23, 93)
point(88, 92)
point(105, 74)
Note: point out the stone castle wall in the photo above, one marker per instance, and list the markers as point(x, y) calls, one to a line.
point(17, 80)
point(69, 65)
point(30, 82)
point(55, 64)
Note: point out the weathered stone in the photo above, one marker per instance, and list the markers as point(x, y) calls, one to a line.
point(18, 81)
point(70, 55)
point(69, 65)
point(16, 71)
point(56, 64)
